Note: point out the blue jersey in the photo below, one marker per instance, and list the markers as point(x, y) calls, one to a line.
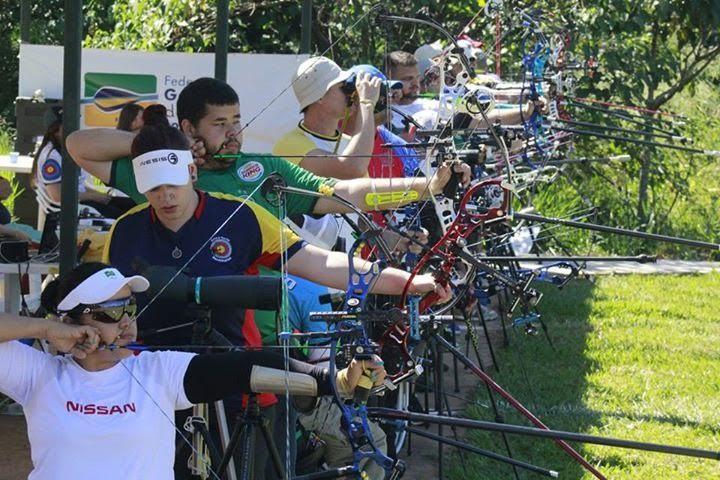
point(251, 238)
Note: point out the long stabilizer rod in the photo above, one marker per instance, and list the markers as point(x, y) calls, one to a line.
point(390, 413)
point(515, 403)
point(485, 453)
point(618, 231)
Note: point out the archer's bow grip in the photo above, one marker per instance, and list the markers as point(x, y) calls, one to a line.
point(362, 390)
point(451, 187)
point(427, 301)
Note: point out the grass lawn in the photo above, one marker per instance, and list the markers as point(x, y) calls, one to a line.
point(636, 357)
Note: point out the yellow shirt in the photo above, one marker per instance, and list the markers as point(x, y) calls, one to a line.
point(300, 141)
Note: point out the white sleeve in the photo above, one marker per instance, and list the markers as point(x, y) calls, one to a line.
point(426, 118)
point(174, 366)
point(20, 367)
point(50, 168)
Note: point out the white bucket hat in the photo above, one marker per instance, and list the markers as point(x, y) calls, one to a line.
point(99, 287)
point(314, 77)
point(161, 167)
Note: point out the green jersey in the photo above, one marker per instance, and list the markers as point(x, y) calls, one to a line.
point(240, 179)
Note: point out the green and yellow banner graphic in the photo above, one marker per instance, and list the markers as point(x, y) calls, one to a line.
point(107, 93)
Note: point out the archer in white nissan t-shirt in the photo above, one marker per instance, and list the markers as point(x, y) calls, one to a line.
point(85, 425)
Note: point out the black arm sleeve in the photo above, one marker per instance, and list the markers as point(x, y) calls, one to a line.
point(214, 376)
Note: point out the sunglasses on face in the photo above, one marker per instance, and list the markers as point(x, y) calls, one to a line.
point(112, 311)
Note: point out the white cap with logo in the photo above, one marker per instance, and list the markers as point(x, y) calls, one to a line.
point(99, 287)
point(314, 77)
point(161, 167)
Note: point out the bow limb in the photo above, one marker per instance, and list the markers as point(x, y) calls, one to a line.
point(429, 22)
point(486, 201)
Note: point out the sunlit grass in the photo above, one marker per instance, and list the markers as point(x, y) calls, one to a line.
point(637, 358)
point(6, 144)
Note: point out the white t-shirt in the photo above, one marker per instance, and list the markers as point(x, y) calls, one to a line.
point(84, 424)
point(418, 105)
point(48, 172)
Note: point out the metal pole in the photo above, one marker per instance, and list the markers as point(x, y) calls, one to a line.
point(306, 26)
point(221, 39)
point(24, 21)
point(71, 122)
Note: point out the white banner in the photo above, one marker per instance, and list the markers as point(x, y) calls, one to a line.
point(111, 78)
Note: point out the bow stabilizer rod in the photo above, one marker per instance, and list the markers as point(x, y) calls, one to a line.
point(483, 452)
point(514, 402)
point(387, 413)
point(617, 231)
point(530, 258)
point(558, 127)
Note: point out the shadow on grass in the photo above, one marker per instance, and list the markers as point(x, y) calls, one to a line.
point(541, 378)
point(581, 411)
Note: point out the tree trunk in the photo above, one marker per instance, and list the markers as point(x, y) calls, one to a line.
point(647, 153)
point(646, 162)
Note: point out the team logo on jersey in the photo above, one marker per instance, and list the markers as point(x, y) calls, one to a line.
point(51, 170)
point(221, 249)
point(251, 171)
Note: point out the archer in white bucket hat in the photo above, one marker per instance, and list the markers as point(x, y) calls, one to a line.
point(314, 77)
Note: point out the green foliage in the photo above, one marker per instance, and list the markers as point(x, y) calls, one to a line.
point(659, 53)
point(628, 352)
point(46, 28)
point(683, 197)
point(6, 137)
point(6, 146)
point(175, 25)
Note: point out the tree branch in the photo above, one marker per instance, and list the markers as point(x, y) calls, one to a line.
point(694, 69)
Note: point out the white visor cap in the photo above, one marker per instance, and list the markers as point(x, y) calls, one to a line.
point(314, 77)
point(99, 287)
point(161, 167)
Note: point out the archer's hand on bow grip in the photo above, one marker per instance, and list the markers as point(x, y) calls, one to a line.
point(449, 177)
point(359, 376)
point(437, 290)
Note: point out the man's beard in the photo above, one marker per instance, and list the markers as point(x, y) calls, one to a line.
point(218, 163)
point(221, 163)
